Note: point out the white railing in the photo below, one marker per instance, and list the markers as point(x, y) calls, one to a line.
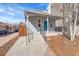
point(30, 27)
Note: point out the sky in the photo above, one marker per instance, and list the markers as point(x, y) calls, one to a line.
point(14, 13)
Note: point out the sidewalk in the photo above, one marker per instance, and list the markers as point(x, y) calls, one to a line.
point(34, 48)
point(7, 42)
point(7, 38)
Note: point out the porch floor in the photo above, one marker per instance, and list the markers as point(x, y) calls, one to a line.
point(62, 46)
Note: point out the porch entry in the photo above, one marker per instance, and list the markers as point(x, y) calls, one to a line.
point(45, 25)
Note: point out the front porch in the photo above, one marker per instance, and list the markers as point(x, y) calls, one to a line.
point(43, 23)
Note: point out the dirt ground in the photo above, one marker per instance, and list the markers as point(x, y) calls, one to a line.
point(62, 46)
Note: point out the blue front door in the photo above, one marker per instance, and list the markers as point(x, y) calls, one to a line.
point(45, 25)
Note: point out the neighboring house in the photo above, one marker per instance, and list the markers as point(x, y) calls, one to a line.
point(7, 28)
point(2, 28)
point(11, 28)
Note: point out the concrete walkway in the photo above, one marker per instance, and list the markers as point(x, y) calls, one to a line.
point(7, 38)
point(37, 47)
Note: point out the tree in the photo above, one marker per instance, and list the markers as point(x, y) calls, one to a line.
point(70, 15)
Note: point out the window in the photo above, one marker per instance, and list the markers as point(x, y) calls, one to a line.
point(39, 23)
point(50, 23)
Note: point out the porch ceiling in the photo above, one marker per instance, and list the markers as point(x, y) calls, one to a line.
point(42, 14)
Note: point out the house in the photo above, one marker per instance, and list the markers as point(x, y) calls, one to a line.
point(11, 27)
point(54, 22)
point(43, 23)
point(2, 28)
point(7, 28)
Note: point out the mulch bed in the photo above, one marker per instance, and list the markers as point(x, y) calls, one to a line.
point(5, 48)
point(62, 46)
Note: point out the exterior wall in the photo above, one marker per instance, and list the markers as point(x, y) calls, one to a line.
point(2, 26)
point(3, 29)
point(11, 28)
point(59, 23)
point(56, 9)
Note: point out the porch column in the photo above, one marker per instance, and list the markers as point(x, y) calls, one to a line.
point(27, 24)
point(47, 24)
